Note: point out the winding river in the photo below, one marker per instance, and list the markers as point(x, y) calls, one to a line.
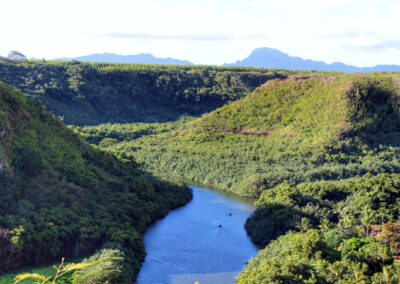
point(203, 241)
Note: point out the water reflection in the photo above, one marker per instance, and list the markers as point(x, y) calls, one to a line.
point(203, 241)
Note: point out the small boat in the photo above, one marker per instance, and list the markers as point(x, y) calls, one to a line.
point(230, 214)
point(220, 226)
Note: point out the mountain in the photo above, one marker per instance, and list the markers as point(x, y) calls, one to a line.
point(137, 58)
point(272, 58)
point(60, 197)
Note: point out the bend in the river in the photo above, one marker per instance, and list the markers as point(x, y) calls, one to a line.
point(203, 241)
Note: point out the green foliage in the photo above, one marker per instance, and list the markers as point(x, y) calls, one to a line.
point(342, 202)
point(62, 197)
point(293, 258)
point(93, 93)
point(334, 238)
point(61, 270)
point(308, 258)
point(244, 147)
point(349, 253)
point(46, 270)
point(105, 266)
point(271, 221)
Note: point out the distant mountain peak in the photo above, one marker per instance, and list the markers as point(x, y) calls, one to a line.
point(265, 57)
point(267, 50)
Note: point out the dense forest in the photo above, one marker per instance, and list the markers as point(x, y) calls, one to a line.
point(62, 197)
point(344, 231)
point(94, 93)
point(320, 150)
point(329, 126)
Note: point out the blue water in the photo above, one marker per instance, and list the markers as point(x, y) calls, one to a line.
point(188, 245)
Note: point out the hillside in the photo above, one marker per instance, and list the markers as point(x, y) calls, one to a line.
point(308, 127)
point(317, 110)
point(94, 93)
point(63, 198)
point(272, 58)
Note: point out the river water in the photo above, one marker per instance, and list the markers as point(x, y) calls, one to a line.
point(190, 245)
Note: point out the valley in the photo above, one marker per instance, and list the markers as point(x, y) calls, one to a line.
point(319, 150)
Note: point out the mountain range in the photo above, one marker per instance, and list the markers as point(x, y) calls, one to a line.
point(260, 57)
point(272, 58)
point(137, 58)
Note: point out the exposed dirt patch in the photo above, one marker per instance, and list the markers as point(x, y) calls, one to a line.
point(301, 78)
point(274, 82)
point(397, 82)
point(287, 79)
point(283, 79)
point(243, 131)
point(287, 132)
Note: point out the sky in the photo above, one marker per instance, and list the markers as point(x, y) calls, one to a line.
point(357, 32)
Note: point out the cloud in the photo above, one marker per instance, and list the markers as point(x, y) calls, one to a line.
point(152, 37)
point(377, 47)
point(343, 35)
point(256, 36)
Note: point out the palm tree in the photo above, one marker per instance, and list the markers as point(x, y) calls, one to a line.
point(366, 220)
point(389, 274)
point(304, 225)
point(325, 225)
point(338, 269)
point(358, 277)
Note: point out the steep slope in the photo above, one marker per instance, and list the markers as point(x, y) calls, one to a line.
point(60, 197)
point(145, 58)
point(312, 109)
point(272, 58)
point(304, 128)
point(297, 106)
point(93, 93)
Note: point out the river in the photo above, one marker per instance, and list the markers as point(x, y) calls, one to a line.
point(203, 241)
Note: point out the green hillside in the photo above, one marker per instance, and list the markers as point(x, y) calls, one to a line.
point(315, 110)
point(309, 127)
point(94, 93)
point(61, 197)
